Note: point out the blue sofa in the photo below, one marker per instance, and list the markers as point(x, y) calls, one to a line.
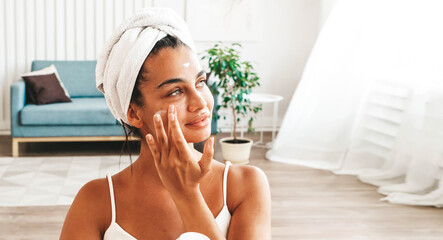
point(86, 118)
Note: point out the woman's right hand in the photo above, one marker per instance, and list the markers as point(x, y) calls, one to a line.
point(174, 159)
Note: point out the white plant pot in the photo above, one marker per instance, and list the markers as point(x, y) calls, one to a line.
point(237, 153)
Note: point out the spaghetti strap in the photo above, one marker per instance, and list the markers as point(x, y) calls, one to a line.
point(225, 181)
point(111, 191)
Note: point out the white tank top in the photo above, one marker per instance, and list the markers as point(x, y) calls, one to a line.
point(115, 232)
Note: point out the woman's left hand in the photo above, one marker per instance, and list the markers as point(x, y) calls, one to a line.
point(175, 161)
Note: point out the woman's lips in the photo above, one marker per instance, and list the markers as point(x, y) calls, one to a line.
point(199, 122)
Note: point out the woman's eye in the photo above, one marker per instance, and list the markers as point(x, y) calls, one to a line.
point(202, 83)
point(175, 93)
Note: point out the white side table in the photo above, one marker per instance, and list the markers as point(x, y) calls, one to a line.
point(263, 98)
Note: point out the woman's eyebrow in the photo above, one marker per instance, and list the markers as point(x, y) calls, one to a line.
point(178, 80)
point(170, 81)
point(200, 73)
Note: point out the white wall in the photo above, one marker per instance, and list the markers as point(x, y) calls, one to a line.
point(289, 32)
point(76, 29)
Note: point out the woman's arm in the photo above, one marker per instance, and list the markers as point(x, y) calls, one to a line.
point(85, 215)
point(250, 199)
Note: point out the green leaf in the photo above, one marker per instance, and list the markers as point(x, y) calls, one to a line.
point(223, 64)
point(231, 66)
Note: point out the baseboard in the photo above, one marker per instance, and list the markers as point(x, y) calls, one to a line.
point(5, 132)
point(5, 128)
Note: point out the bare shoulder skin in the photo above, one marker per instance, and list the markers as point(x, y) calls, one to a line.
point(87, 217)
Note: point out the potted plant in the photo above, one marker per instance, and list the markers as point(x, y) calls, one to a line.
point(235, 80)
point(215, 93)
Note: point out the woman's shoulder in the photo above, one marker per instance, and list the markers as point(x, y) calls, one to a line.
point(93, 202)
point(246, 182)
point(249, 176)
point(94, 191)
point(90, 211)
point(248, 171)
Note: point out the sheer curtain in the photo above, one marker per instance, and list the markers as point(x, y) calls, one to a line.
point(370, 101)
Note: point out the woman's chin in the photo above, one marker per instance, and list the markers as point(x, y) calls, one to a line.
point(199, 135)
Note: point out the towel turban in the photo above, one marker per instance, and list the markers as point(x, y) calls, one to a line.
point(126, 50)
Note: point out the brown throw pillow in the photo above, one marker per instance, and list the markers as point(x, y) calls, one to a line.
point(43, 89)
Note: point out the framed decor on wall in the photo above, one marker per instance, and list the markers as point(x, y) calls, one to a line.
point(224, 20)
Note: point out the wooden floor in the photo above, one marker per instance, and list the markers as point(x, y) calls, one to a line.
point(306, 203)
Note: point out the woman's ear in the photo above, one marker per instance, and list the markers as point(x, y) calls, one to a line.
point(134, 116)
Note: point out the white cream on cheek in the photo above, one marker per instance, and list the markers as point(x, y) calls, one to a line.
point(186, 65)
point(164, 112)
point(164, 116)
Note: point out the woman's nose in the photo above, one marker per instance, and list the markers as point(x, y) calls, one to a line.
point(196, 102)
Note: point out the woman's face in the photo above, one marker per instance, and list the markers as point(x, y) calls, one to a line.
point(175, 77)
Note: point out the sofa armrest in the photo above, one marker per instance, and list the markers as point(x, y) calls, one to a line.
point(18, 101)
point(18, 96)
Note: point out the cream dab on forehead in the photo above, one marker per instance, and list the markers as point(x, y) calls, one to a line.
point(186, 65)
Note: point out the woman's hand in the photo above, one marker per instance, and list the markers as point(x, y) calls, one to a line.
point(181, 174)
point(175, 161)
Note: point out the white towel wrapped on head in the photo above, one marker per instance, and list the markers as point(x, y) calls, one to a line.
point(125, 52)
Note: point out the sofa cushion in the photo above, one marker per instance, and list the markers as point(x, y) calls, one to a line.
point(45, 71)
point(77, 76)
point(81, 111)
point(44, 89)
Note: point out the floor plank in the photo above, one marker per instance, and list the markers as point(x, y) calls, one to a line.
point(306, 203)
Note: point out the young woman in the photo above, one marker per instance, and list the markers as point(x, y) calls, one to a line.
point(171, 188)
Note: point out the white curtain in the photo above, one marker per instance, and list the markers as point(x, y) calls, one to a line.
point(370, 101)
